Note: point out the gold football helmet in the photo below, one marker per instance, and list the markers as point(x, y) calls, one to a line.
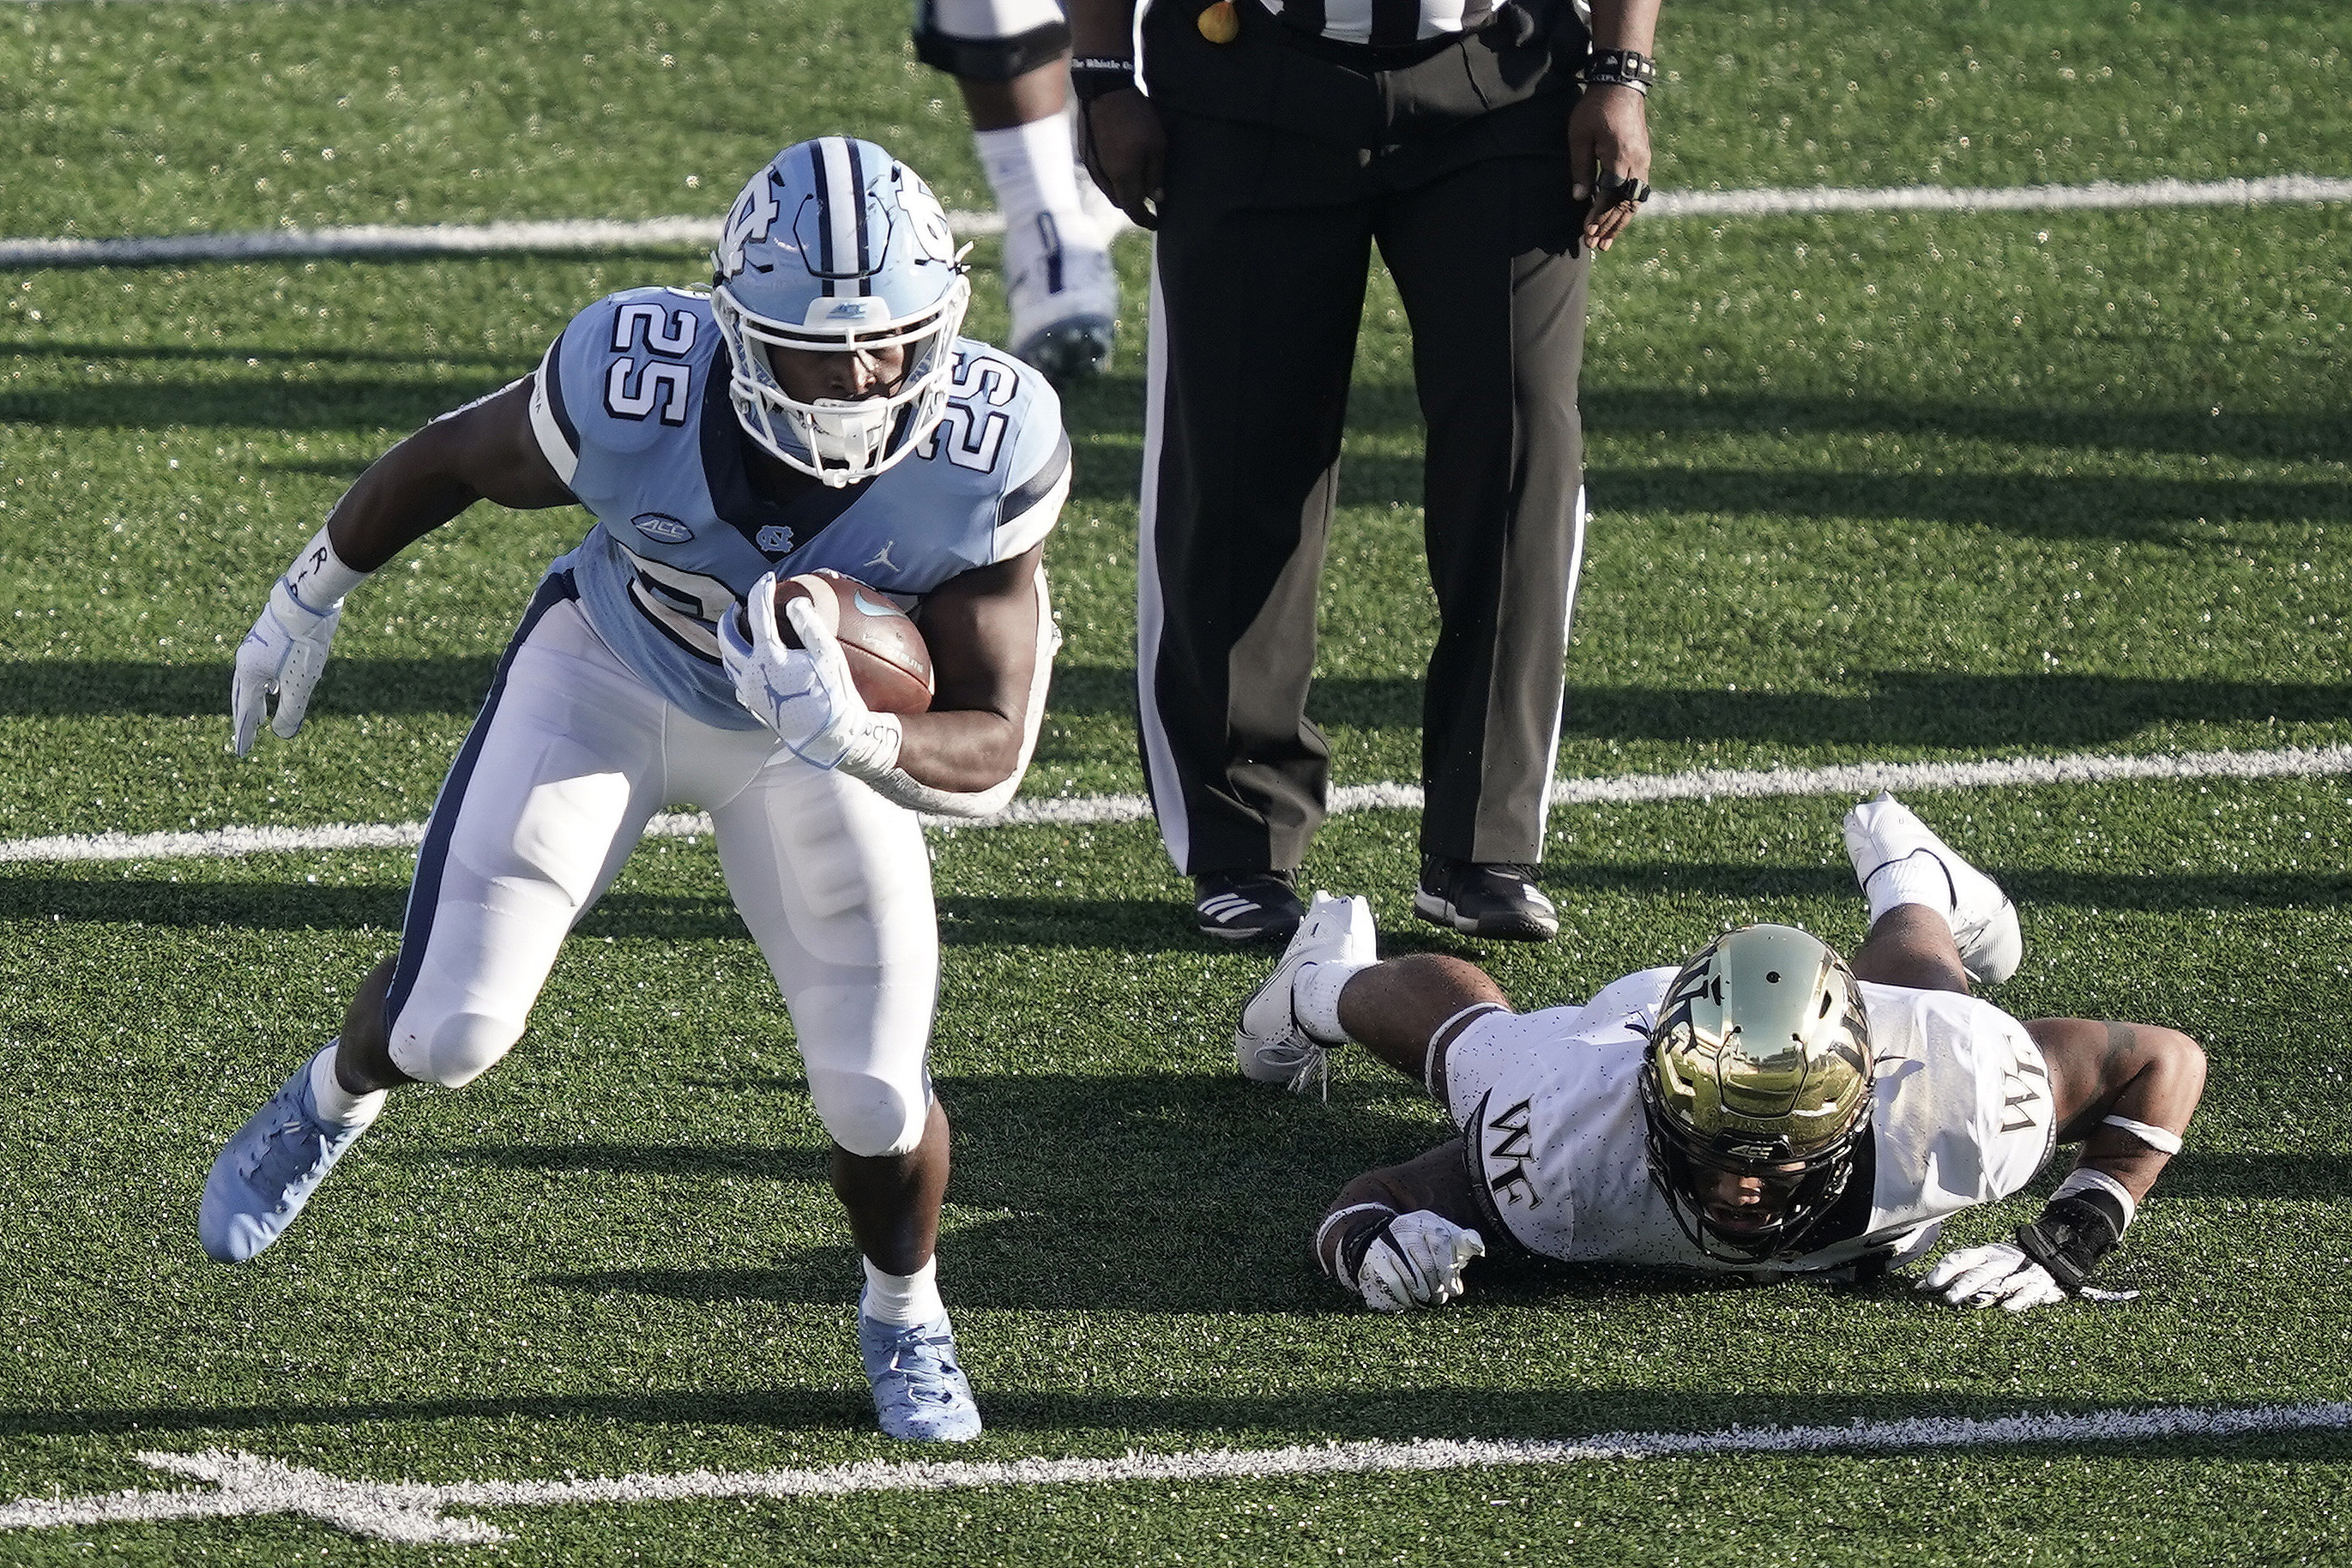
point(1756, 1088)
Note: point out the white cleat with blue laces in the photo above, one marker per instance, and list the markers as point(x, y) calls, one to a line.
point(920, 1389)
point(268, 1171)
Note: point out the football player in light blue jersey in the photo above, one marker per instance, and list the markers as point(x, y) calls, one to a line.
point(816, 409)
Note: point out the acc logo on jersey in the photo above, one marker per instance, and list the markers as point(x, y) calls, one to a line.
point(776, 539)
point(661, 528)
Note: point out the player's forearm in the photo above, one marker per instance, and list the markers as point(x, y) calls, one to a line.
point(2159, 1076)
point(404, 496)
point(959, 751)
point(482, 451)
point(1436, 1182)
point(1625, 24)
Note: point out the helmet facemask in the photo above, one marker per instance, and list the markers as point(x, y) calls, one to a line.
point(1759, 1070)
point(838, 247)
point(841, 441)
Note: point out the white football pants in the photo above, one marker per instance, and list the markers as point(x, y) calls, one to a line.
point(571, 758)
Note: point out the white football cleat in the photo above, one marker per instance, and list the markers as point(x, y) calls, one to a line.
point(1271, 1045)
point(1882, 831)
point(1062, 293)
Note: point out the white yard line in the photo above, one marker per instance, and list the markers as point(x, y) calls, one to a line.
point(1853, 779)
point(245, 1485)
point(608, 234)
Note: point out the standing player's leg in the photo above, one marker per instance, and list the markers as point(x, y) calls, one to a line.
point(546, 798)
point(1935, 921)
point(1012, 59)
point(835, 884)
point(1493, 277)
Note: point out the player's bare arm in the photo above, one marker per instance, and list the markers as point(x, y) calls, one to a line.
point(1401, 1235)
point(2123, 1091)
point(983, 627)
point(1609, 130)
point(485, 450)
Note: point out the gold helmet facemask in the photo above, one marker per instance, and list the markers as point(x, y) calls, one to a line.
point(1757, 1087)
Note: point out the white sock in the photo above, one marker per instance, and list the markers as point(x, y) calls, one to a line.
point(1314, 998)
point(1917, 878)
point(336, 1103)
point(903, 1300)
point(1029, 169)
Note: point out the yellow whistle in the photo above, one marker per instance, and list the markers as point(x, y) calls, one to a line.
point(1219, 25)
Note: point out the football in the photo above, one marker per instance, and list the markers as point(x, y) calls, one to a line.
point(886, 655)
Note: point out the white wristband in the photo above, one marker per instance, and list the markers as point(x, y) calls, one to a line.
point(2162, 1140)
point(2083, 1179)
point(318, 579)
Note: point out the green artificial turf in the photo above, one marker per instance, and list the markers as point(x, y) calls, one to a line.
point(1868, 486)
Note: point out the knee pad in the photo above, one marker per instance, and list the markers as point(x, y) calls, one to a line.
point(989, 40)
point(870, 1115)
point(452, 1049)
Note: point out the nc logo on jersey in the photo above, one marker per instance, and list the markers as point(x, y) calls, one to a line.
point(776, 539)
point(661, 528)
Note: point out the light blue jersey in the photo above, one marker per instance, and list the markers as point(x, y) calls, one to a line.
point(630, 406)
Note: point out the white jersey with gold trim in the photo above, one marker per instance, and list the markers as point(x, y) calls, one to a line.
point(1550, 1112)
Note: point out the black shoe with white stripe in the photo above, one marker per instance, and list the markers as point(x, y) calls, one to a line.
point(1495, 900)
point(1247, 905)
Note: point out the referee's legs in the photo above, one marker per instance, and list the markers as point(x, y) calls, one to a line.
point(1253, 317)
point(1493, 277)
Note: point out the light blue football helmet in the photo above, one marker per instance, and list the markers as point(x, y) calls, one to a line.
point(834, 248)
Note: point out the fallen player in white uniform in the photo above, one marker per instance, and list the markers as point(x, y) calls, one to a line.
point(816, 409)
point(1763, 1110)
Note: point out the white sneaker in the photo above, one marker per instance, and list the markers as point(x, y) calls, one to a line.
point(1062, 293)
point(1271, 1045)
point(1881, 830)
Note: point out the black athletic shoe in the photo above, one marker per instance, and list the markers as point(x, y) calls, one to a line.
point(1488, 900)
point(1248, 906)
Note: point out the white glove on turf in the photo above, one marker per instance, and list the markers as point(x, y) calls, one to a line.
point(1416, 1261)
point(284, 653)
point(804, 694)
point(1997, 1274)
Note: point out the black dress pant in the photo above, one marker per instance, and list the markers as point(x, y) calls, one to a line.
point(1265, 236)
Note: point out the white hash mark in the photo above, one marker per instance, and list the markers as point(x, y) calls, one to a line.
point(410, 1512)
point(1856, 779)
point(699, 231)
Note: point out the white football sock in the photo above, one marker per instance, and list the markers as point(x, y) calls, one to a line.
point(1917, 878)
point(903, 1300)
point(336, 1103)
point(1029, 169)
point(1314, 998)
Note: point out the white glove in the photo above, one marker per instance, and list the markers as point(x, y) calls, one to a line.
point(1999, 1274)
point(1416, 1261)
point(804, 694)
point(284, 653)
